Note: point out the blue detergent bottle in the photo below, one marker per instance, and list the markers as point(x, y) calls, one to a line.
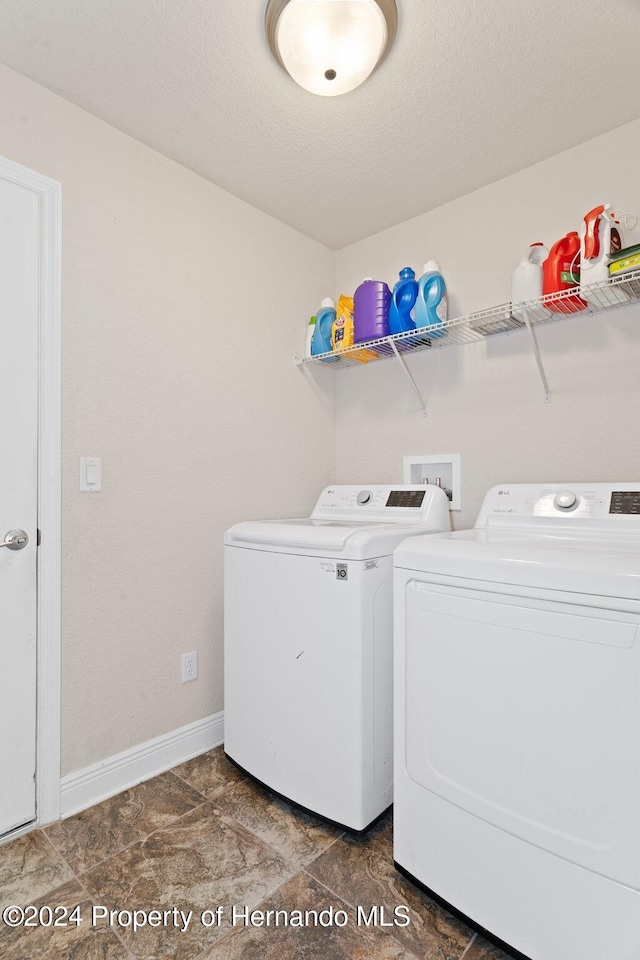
point(431, 302)
point(403, 301)
point(321, 340)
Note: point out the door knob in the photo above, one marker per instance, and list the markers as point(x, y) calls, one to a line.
point(16, 539)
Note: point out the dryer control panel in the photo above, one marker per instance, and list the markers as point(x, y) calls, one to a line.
point(567, 501)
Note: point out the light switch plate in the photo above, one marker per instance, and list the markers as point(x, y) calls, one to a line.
point(90, 475)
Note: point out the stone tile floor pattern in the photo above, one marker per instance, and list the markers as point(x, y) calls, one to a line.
point(203, 836)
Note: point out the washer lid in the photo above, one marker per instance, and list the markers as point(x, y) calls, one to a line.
point(594, 564)
point(351, 522)
point(304, 533)
point(324, 538)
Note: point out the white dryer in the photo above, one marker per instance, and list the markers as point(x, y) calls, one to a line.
point(517, 719)
point(309, 647)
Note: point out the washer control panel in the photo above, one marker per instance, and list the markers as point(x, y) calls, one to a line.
point(388, 503)
point(594, 501)
point(625, 502)
point(406, 498)
point(566, 500)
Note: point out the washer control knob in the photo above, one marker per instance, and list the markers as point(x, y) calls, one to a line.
point(565, 500)
point(363, 497)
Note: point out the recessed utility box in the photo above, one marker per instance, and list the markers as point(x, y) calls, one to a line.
point(442, 469)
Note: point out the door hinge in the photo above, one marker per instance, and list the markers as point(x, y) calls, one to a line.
point(38, 537)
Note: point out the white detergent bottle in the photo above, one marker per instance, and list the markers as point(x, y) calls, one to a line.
point(600, 237)
point(431, 301)
point(526, 283)
point(311, 329)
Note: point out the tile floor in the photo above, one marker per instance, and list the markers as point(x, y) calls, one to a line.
point(202, 836)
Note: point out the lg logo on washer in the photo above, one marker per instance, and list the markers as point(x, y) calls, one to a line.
point(342, 571)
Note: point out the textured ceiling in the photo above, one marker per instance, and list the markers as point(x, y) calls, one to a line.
point(473, 90)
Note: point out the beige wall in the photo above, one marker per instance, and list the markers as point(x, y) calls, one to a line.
point(485, 400)
point(183, 308)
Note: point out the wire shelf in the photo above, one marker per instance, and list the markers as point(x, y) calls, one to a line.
point(504, 318)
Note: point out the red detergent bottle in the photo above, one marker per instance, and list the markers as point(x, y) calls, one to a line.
point(561, 271)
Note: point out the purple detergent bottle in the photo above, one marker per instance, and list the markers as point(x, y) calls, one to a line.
point(371, 310)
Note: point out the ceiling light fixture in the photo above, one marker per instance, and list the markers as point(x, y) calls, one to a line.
point(330, 47)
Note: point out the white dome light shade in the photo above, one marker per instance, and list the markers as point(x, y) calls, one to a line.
point(330, 47)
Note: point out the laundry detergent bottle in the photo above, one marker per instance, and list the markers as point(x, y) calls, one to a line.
point(371, 310)
point(321, 340)
point(308, 340)
point(561, 271)
point(600, 238)
point(526, 282)
point(403, 301)
point(431, 301)
point(342, 330)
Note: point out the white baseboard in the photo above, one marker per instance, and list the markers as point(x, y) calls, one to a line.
point(89, 786)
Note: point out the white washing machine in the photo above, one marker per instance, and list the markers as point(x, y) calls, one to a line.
point(517, 719)
point(309, 647)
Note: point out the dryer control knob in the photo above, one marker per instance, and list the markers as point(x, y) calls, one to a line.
point(565, 500)
point(363, 497)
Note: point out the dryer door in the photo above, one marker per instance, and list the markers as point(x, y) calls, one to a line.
point(526, 713)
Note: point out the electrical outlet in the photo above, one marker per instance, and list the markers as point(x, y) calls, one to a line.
point(189, 666)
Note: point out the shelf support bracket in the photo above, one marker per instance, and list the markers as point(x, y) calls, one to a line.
point(536, 353)
point(409, 376)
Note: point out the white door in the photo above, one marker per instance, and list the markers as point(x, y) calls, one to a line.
point(19, 314)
